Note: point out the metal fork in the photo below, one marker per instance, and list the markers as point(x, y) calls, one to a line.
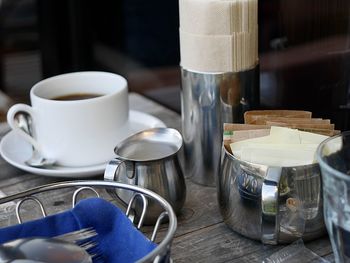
point(85, 238)
point(64, 248)
point(78, 235)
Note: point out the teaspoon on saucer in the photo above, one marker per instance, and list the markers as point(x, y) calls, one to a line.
point(36, 160)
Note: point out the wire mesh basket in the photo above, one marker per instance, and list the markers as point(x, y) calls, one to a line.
point(40, 194)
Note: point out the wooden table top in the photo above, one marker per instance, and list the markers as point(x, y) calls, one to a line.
point(201, 235)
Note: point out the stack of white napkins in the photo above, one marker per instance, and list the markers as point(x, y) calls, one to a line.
point(284, 147)
point(218, 35)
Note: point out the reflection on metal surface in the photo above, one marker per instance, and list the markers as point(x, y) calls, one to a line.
point(270, 204)
point(208, 101)
point(149, 159)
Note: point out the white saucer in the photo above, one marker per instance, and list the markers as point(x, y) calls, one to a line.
point(16, 151)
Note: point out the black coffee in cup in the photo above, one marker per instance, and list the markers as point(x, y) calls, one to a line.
point(77, 96)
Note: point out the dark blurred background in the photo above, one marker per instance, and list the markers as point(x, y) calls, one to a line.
point(304, 49)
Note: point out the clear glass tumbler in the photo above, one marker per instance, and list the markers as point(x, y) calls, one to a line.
point(333, 156)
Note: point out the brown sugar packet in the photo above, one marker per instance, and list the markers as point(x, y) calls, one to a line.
point(296, 125)
point(304, 127)
point(234, 132)
point(236, 136)
point(251, 116)
point(320, 131)
point(300, 120)
point(317, 128)
point(296, 120)
point(262, 119)
point(242, 127)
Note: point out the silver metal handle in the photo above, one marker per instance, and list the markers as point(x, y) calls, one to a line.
point(110, 174)
point(270, 206)
point(115, 164)
point(29, 198)
point(111, 169)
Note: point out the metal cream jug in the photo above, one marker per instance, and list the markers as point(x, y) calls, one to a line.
point(270, 204)
point(149, 159)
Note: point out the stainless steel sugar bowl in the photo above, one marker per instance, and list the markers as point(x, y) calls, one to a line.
point(271, 204)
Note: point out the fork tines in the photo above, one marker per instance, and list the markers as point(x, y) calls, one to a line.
point(85, 238)
point(76, 236)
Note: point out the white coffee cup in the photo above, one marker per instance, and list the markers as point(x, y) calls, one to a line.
point(80, 132)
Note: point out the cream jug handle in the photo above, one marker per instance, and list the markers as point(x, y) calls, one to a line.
point(111, 174)
point(270, 206)
point(111, 171)
point(113, 166)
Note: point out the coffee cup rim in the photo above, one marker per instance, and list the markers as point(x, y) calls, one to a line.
point(42, 86)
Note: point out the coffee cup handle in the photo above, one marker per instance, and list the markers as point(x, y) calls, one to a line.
point(11, 114)
point(270, 206)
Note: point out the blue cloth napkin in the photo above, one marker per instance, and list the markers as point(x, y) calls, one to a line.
point(118, 239)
